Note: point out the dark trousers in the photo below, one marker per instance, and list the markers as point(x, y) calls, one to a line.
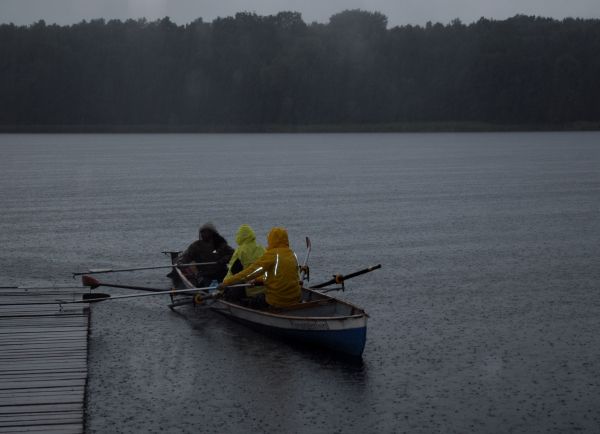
point(238, 296)
point(234, 295)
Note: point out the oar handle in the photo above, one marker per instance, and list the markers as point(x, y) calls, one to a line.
point(339, 278)
point(305, 273)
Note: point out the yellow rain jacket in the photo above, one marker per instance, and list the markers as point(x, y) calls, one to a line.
point(279, 267)
point(247, 252)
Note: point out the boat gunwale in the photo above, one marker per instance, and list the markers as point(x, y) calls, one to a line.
point(362, 313)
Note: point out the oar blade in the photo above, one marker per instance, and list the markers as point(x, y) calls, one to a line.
point(89, 281)
point(92, 298)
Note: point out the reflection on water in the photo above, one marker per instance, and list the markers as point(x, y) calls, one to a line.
point(484, 314)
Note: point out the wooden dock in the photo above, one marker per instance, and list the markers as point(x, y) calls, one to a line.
point(43, 361)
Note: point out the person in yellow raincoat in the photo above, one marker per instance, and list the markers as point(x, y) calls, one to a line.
point(279, 270)
point(246, 253)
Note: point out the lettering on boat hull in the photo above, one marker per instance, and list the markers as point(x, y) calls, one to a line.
point(310, 325)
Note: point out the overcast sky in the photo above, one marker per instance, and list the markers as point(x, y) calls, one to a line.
point(399, 12)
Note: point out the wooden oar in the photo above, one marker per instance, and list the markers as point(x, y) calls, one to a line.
point(102, 297)
point(113, 270)
point(339, 278)
point(93, 283)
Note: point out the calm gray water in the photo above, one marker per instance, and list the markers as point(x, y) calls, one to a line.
point(484, 317)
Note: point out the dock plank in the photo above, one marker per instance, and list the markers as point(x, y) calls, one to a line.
point(21, 386)
point(46, 429)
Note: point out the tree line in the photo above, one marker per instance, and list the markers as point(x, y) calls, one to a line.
point(259, 72)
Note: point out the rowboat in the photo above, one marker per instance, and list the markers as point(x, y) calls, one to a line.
point(318, 320)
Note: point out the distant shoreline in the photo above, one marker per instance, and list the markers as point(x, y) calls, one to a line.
point(405, 127)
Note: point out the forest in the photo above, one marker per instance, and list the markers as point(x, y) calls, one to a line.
point(277, 73)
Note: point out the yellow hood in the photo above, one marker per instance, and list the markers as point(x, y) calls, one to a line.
point(278, 237)
point(244, 235)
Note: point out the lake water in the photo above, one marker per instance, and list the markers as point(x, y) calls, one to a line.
point(485, 316)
